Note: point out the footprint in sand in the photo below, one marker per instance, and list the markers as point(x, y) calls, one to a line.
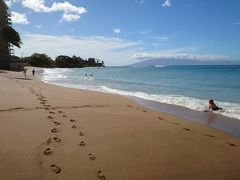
point(51, 112)
point(56, 169)
point(56, 139)
point(47, 151)
point(209, 135)
point(74, 126)
point(101, 175)
point(64, 116)
point(175, 123)
point(54, 130)
point(72, 120)
point(81, 134)
point(160, 118)
point(82, 143)
point(46, 108)
point(57, 123)
point(42, 102)
point(46, 105)
point(144, 111)
point(92, 157)
point(186, 129)
point(50, 117)
point(49, 141)
point(60, 112)
point(231, 144)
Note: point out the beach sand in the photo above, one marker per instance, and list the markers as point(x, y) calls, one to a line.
point(50, 132)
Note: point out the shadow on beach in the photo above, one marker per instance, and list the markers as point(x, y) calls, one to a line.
point(23, 78)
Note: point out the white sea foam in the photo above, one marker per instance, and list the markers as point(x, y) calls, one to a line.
point(55, 74)
point(159, 66)
point(229, 109)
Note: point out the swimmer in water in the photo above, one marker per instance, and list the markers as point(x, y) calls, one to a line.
point(212, 106)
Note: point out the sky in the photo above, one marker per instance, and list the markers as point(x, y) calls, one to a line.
point(122, 32)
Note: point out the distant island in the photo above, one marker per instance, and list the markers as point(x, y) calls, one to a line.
point(61, 61)
point(169, 62)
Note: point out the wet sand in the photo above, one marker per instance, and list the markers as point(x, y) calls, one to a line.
point(50, 132)
point(213, 120)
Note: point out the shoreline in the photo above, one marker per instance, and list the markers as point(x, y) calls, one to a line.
point(213, 120)
point(53, 132)
point(75, 78)
point(209, 119)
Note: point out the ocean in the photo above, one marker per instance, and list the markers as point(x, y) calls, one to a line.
point(187, 86)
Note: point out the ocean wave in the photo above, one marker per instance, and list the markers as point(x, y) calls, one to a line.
point(159, 66)
point(56, 70)
point(231, 110)
point(55, 74)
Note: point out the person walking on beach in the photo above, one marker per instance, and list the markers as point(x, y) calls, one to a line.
point(212, 106)
point(25, 72)
point(33, 72)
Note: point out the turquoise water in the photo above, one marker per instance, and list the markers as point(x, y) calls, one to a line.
point(188, 86)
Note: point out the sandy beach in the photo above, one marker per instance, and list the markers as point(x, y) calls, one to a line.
point(50, 132)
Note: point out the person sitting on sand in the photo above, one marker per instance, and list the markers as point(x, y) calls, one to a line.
point(212, 106)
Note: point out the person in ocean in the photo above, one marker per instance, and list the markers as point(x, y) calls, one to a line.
point(33, 72)
point(212, 106)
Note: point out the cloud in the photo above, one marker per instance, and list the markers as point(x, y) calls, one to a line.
point(10, 2)
point(70, 12)
point(18, 18)
point(117, 30)
point(236, 23)
point(113, 51)
point(167, 3)
point(180, 56)
point(36, 5)
point(67, 8)
point(70, 17)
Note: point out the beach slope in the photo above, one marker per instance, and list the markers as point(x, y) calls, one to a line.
point(49, 132)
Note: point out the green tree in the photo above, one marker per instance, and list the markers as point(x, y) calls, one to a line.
point(40, 60)
point(63, 61)
point(11, 36)
point(79, 62)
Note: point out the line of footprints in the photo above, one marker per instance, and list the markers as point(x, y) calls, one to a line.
point(48, 151)
point(185, 129)
point(56, 169)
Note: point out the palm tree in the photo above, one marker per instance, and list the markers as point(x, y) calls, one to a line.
point(11, 36)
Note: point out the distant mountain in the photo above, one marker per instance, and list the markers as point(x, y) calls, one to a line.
point(167, 62)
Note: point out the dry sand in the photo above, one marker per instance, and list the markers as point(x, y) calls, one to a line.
point(49, 132)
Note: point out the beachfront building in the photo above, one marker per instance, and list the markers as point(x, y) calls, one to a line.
point(5, 52)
